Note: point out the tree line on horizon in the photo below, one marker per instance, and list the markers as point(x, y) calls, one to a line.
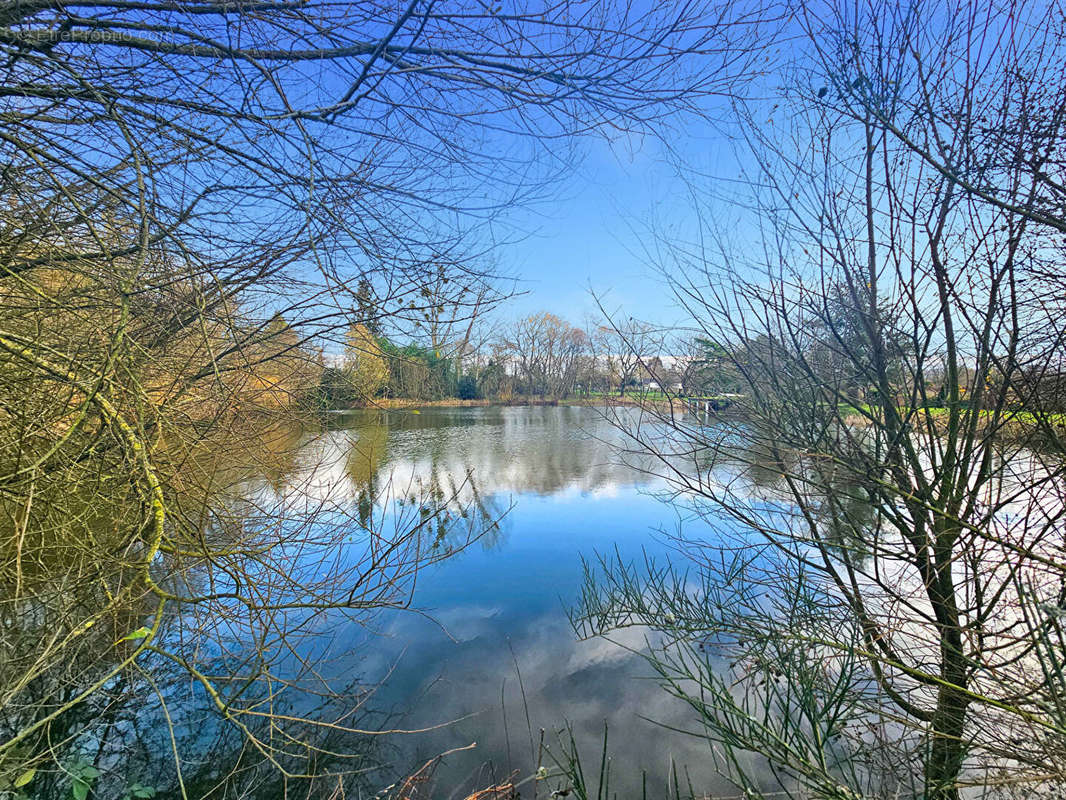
point(540, 356)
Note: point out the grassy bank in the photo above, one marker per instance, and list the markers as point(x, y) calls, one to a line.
point(1011, 425)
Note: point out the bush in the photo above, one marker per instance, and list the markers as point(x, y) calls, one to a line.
point(335, 390)
point(468, 388)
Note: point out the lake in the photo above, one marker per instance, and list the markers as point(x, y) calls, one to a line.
point(490, 648)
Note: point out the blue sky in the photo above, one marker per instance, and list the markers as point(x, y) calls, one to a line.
point(592, 232)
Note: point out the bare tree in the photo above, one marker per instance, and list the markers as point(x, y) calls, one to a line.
point(195, 197)
point(546, 351)
point(878, 605)
point(625, 347)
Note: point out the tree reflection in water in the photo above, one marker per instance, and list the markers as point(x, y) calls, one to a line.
point(200, 669)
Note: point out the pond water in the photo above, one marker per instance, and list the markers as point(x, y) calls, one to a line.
point(494, 653)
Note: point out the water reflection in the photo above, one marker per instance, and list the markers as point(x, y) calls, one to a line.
point(83, 701)
point(496, 645)
point(525, 449)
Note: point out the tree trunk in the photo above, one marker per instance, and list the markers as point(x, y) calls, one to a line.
point(947, 747)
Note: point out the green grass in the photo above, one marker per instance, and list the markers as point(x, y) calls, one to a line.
point(649, 394)
point(1019, 416)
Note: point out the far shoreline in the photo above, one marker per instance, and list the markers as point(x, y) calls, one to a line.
point(398, 403)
